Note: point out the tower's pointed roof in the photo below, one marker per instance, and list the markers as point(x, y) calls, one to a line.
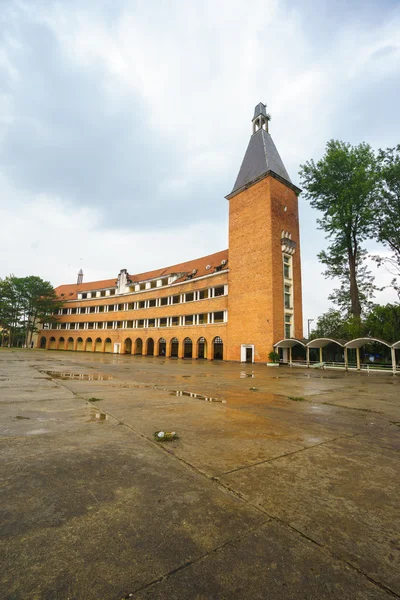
point(262, 157)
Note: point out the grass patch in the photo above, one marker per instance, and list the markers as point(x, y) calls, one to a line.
point(95, 399)
point(297, 398)
point(253, 389)
point(20, 417)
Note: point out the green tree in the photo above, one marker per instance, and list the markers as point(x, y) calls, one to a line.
point(387, 210)
point(383, 322)
point(342, 186)
point(334, 324)
point(40, 302)
point(25, 303)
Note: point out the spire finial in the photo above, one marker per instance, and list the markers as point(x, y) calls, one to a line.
point(80, 277)
point(261, 118)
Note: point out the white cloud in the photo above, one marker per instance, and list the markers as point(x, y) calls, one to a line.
point(179, 81)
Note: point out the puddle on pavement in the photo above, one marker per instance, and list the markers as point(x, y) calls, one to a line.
point(37, 431)
point(80, 376)
point(197, 396)
point(243, 375)
point(97, 417)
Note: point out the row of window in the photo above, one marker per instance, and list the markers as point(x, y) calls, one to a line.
point(147, 285)
point(181, 321)
point(213, 292)
point(288, 295)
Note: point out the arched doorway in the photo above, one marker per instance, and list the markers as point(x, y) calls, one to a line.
point(187, 348)
point(52, 345)
point(162, 347)
point(128, 346)
point(139, 346)
point(79, 344)
point(174, 348)
point(202, 348)
point(61, 343)
point(108, 345)
point(150, 347)
point(97, 345)
point(43, 343)
point(218, 346)
point(89, 345)
point(70, 343)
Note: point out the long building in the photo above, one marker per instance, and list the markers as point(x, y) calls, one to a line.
point(231, 305)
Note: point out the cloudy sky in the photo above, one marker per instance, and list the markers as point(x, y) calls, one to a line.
point(123, 123)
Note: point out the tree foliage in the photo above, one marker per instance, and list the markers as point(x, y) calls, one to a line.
point(25, 303)
point(387, 210)
point(336, 325)
point(342, 186)
point(382, 322)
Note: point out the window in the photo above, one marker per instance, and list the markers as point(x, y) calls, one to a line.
point(129, 324)
point(202, 319)
point(287, 267)
point(140, 323)
point(110, 307)
point(219, 291)
point(152, 323)
point(189, 320)
point(163, 322)
point(121, 307)
point(288, 326)
point(109, 324)
point(288, 296)
point(203, 294)
point(189, 297)
point(112, 292)
point(73, 311)
point(164, 301)
point(152, 303)
point(174, 321)
point(142, 304)
point(101, 308)
point(219, 317)
point(131, 305)
point(84, 296)
point(92, 309)
point(176, 299)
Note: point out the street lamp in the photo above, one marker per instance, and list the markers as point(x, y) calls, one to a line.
point(308, 326)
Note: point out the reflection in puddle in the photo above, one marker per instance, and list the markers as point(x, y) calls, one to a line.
point(37, 431)
point(243, 375)
point(97, 416)
point(198, 396)
point(81, 376)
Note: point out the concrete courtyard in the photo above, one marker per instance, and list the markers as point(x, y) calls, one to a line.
point(286, 486)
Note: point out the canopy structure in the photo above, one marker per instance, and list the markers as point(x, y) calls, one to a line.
point(320, 343)
point(289, 343)
point(359, 342)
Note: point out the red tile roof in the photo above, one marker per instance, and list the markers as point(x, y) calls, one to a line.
point(70, 291)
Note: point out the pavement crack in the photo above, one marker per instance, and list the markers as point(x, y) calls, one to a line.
point(203, 556)
point(268, 460)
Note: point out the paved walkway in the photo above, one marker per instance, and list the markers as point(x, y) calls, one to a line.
point(289, 489)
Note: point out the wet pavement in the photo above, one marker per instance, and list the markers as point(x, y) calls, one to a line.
point(284, 486)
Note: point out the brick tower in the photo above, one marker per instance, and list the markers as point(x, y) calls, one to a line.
point(264, 301)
